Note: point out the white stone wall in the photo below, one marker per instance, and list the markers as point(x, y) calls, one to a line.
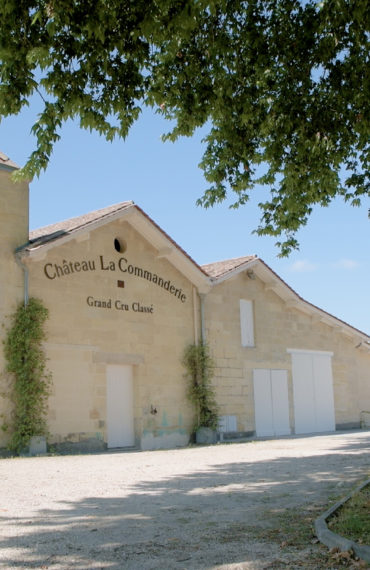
point(83, 338)
point(276, 328)
point(107, 308)
point(13, 232)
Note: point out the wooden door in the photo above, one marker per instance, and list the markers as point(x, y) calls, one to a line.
point(120, 406)
point(271, 402)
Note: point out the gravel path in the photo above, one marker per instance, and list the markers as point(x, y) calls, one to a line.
point(229, 506)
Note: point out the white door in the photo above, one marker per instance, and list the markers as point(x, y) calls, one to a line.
point(271, 402)
point(120, 406)
point(312, 391)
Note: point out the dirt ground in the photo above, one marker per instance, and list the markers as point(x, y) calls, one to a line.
point(229, 506)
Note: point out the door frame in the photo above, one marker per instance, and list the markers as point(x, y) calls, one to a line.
point(271, 402)
point(311, 387)
point(120, 388)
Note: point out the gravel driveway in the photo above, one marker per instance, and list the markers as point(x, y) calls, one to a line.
point(229, 506)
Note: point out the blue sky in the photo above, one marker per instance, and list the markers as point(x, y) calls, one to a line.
point(331, 269)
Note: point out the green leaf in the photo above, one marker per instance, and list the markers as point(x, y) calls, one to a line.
point(282, 87)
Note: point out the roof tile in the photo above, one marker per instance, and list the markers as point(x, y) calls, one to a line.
point(48, 233)
point(220, 268)
point(214, 270)
point(5, 161)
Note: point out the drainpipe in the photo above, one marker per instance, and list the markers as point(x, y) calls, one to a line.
point(25, 277)
point(202, 297)
point(195, 316)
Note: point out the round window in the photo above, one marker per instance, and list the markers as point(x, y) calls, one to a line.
point(119, 245)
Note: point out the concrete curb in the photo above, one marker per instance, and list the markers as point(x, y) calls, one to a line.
point(331, 539)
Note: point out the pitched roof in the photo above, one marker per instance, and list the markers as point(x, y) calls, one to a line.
point(222, 268)
point(50, 236)
point(177, 246)
point(54, 231)
point(217, 271)
point(6, 163)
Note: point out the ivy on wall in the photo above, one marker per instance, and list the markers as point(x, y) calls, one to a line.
point(30, 379)
point(199, 371)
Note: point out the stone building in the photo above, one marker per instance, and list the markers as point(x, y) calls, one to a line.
point(125, 300)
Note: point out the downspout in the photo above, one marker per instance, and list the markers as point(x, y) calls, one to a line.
point(25, 277)
point(202, 297)
point(195, 316)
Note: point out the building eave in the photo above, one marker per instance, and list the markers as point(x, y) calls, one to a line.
point(145, 226)
point(272, 282)
point(7, 164)
point(296, 302)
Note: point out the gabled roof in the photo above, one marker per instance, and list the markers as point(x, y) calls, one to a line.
point(68, 227)
point(6, 163)
point(292, 299)
point(45, 238)
point(203, 277)
point(254, 267)
point(228, 266)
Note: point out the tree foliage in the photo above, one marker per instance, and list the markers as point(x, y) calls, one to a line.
point(26, 365)
point(282, 85)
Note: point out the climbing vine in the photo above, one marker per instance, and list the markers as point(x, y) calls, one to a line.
point(199, 371)
point(30, 379)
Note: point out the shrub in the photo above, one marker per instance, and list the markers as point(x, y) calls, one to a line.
point(199, 371)
point(30, 380)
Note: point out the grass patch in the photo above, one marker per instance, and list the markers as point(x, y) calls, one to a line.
point(291, 527)
point(293, 530)
point(352, 520)
point(290, 533)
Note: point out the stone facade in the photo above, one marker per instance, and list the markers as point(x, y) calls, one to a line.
point(279, 326)
point(109, 316)
point(124, 301)
point(13, 233)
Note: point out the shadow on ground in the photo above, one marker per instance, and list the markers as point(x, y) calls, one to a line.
point(228, 514)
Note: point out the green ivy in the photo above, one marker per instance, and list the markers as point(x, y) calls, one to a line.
point(199, 371)
point(30, 380)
